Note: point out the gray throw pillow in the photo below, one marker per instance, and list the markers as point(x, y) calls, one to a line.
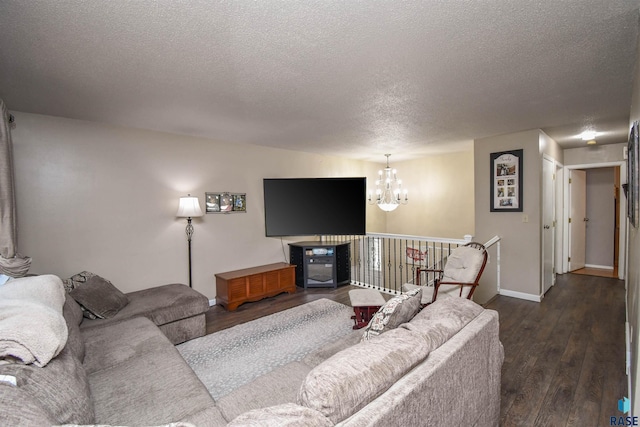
point(78, 280)
point(99, 297)
point(398, 310)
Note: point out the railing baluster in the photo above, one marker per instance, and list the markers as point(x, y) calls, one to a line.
point(385, 262)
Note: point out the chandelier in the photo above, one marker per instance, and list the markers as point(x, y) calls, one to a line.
point(389, 192)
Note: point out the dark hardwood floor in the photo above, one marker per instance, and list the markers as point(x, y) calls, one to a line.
point(564, 357)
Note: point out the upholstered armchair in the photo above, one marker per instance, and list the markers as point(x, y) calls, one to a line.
point(460, 275)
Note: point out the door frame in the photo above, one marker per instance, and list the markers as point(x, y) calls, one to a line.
point(554, 214)
point(577, 256)
point(622, 249)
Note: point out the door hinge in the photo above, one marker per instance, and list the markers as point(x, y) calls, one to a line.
point(569, 259)
point(569, 220)
point(553, 177)
point(569, 180)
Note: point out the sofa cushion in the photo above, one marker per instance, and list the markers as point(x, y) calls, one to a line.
point(288, 414)
point(443, 319)
point(278, 386)
point(99, 297)
point(162, 305)
point(349, 380)
point(209, 416)
point(73, 316)
point(137, 376)
point(323, 353)
point(398, 310)
point(19, 408)
point(61, 387)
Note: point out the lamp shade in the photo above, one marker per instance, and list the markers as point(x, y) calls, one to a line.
point(189, 207)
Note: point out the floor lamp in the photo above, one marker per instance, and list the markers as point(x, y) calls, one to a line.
point(189, 208)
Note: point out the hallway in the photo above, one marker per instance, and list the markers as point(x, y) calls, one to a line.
point(564, 357)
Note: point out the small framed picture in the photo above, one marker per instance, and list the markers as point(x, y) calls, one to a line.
point(226, 202)
point(239, 202)
point(506, 168)
point(212, 202)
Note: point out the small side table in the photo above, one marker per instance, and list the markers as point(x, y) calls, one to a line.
point(365, 303)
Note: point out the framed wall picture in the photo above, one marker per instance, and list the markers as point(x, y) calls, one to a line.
point(212, 202)
point(239, 202)
point(225, 202)
point(506, 181)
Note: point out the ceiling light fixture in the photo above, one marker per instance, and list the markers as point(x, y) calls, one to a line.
point(389, 191)
point(588, 135)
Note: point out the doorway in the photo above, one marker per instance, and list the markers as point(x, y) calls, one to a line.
point(593, 235)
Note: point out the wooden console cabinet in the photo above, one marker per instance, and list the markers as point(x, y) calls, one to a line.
point(252, 284)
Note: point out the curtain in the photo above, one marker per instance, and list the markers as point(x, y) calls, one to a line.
point(11, 262)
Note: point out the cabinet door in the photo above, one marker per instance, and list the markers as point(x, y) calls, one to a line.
point(287, 278)
point(272, 280)
point(255, 285)
point(237, 289)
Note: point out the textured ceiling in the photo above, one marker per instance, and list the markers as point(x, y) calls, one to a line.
point(350, 78)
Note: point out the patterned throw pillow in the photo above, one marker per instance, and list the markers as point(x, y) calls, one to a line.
point(398, 310)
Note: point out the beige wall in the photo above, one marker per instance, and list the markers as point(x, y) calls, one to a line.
point(594, 154)
point(633, 270)
point(551, 148)
point(520, 241)
point(441, 197)
point(100, 198)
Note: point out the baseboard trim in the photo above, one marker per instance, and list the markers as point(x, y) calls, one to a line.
point(520, 295)
point(601, 267)
point(212, 302)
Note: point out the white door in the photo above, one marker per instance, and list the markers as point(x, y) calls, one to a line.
point(548, 218)
point(559, 251)
point(577, 219)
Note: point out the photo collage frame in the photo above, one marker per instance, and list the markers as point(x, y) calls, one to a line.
point(225, 202)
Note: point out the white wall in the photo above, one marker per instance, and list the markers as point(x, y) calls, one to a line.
point(592, 154)
point(520, 244)
point(101, 198)
point(520, 262)
point(633, 269)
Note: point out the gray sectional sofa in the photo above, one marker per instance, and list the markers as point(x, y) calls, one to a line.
point(441, 367)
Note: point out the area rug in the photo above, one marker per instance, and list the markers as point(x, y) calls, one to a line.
point(233, 357)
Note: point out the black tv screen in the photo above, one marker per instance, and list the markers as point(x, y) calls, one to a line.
point(315, 206)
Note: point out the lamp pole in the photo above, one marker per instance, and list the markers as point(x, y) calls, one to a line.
point(189, 232)
point(189, 208)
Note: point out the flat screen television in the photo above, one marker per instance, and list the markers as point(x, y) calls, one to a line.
point(315, 206)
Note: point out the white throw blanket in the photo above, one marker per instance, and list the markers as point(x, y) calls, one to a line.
point(32, 327)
